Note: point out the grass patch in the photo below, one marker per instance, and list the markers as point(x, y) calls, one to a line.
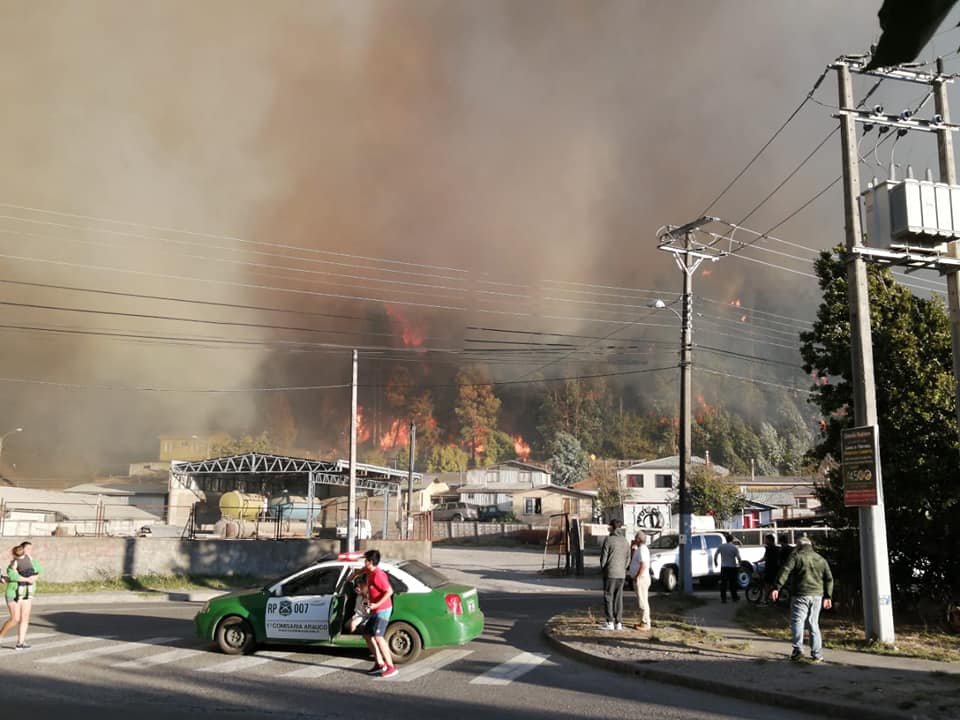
point(153, 583)
point(840, 632)
point(670, 625)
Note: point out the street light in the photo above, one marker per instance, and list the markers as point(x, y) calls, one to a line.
point(686, 351)
point(4, 437)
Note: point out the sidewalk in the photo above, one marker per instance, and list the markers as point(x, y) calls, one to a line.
point(848, 684)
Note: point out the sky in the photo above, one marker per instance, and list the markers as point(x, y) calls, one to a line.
point(208, 201)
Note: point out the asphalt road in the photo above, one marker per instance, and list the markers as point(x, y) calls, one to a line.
point(143, 661)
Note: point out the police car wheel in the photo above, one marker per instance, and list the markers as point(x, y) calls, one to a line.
point(404, 642)
point(235, 636)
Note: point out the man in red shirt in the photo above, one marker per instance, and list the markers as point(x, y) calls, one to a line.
point(381, 605)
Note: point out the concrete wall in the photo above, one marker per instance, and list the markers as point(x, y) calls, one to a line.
point(473, 529)
point(72, 559)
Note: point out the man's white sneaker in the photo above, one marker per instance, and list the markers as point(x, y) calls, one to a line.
point(607, 626)
point(619, 626)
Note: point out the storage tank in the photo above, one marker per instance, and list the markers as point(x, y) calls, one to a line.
point(292, 507)
point(236, 505)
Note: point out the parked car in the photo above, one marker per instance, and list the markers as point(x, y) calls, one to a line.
point(456, 511)
point(313, 604)
point(492, 513)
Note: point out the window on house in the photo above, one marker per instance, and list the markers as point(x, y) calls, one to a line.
point(635, 481)
point(663, 481)
point(802, 502)
point(526, 477)
point(492, 476)
point(532, 506)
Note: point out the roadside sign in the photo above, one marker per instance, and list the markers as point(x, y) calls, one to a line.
point(861, 456)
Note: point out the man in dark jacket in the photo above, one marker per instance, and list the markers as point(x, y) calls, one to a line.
point(812, 585)
point(614, 558)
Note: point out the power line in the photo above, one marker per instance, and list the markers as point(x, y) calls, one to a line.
point(230, 238)
point(767, 144)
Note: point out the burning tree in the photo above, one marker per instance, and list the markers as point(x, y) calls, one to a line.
point(476, 409)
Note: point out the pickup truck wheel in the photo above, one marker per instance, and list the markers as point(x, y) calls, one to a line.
point(457, 518)
point(744, 575)
point(668, 579)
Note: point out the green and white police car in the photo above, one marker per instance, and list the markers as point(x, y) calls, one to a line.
point(313, 604)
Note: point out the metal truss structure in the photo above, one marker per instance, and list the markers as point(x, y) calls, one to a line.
point(369, 477)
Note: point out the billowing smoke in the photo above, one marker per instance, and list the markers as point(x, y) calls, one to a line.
point(252, 189)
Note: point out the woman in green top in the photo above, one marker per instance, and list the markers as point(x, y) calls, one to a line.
point(22, 574)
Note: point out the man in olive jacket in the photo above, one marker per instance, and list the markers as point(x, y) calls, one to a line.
point(614, 558)
point(811, 583)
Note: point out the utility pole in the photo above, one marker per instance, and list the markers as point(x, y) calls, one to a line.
point(874, 563)
point(352, 494)
point(686, 368)
point(413, 450)
point(948, 175)
point(688, 257)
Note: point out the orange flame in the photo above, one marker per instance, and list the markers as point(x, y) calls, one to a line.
point(397, 436)
point(735, 302)
point(521, 448)
point(743, 318)
point(411, 333)
point(363, 430)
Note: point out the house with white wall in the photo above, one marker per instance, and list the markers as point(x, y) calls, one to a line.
point(648, 491)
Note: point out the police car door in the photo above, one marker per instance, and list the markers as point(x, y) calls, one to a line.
point(303, 605)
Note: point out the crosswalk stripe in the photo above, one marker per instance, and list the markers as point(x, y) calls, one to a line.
point(507, 672)
point(246, 662)
point(161, 659)
point(66, 642)
point(325, 667)
point(430, 664)
point(31, 637)
point(105, 650)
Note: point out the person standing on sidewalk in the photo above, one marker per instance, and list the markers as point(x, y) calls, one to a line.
point(640, 573)
point(811, 585)
point(729, 556)
point(614, 557)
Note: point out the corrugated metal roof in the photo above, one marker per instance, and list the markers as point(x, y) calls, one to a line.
point(72, 506)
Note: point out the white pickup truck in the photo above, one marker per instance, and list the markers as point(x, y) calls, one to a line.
point(664, 559)
point(361, 528)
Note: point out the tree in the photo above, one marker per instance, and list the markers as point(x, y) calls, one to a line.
point(631, 436)
point(447, 458)
point(710, 494)
point(568, 460)
point(916, 418)
point(261, 443)
point(476, 409)
point(499, 447)
point(608, 487)
point(278, 418)
point(576, 408)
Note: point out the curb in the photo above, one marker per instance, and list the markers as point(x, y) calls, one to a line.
point(133, 596)
point(788, 702)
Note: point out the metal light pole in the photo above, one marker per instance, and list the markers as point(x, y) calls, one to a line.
point(686, 349)
point(4, 437)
